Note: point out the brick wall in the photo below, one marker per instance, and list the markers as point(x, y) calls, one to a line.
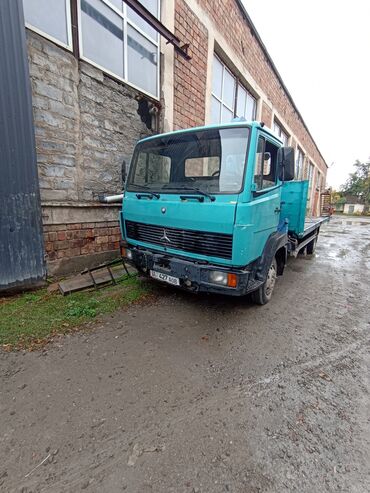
point(266, 115)
point(227, 19)
point(70, 240)
point(190, 77)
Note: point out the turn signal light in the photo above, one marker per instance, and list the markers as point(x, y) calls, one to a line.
point(232, 280)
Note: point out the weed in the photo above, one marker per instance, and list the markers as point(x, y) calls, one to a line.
point(36, 316)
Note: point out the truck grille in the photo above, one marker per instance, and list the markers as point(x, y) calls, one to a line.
point(201, 242)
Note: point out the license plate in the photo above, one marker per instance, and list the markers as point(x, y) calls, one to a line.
point(175, 281)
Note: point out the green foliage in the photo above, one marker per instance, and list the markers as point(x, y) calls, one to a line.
point(88, 310)
point(337, 198)
point(358, 183)
point(33, 317)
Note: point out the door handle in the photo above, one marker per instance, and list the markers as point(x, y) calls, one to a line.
point(277, 209)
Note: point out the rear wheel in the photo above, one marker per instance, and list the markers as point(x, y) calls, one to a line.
point(311, 247)
point(264, 294)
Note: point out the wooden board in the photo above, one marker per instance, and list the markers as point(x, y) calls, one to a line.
point(84, 281)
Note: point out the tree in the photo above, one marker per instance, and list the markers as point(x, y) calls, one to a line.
point(336, 197)
point(358, 183)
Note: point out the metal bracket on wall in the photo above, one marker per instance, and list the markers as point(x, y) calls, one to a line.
point(144, 13)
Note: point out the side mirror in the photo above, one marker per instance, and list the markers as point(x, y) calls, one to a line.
point(286, 163)
point(123, 172)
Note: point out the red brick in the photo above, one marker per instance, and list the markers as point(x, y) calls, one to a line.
point(49, 246)
point(74, 226)
point(61, 245)
point(101, 239)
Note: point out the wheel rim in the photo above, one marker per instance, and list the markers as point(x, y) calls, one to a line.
point(270, 281)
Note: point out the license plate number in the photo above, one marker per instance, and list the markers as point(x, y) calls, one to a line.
point(175, 281)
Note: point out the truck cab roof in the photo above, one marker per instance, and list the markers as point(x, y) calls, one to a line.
point(235, 123)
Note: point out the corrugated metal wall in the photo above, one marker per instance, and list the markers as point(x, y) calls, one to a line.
point(21, 244)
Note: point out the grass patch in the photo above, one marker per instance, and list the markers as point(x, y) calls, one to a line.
point(30, 319)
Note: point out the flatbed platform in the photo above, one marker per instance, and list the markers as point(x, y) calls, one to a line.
point(312, 223)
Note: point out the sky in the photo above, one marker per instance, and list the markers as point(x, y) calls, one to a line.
point(321, 49)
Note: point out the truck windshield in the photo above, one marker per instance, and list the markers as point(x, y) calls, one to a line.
point(211, 160)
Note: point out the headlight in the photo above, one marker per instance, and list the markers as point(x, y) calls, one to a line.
point(129, 254)
point(223, 278)
point(218, 277)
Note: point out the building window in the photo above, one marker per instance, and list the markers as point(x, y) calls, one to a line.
point(229, 97)
point(115, 39)
point(50, 18)
point(310, 174)
point(299, 164)
point(319, 181)
point(246, 104)
point(278, 129)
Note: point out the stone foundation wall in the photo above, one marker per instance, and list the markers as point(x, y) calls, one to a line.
point(86, 125)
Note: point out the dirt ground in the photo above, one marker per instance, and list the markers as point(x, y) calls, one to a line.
point(205, 394)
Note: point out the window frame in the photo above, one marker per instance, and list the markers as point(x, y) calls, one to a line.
point(126, 22)
point(281, 131)
point(310, 174)
point(42, 33)
point(261, 191)
point(237, 82)
point(221, 101)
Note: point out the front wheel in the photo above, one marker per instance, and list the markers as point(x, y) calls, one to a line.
point(264, 293)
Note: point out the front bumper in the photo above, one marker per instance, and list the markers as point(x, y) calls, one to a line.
point(193, 275)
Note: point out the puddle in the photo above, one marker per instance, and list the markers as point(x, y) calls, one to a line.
point(343, 252)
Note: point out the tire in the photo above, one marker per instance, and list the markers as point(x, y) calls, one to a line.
point(264, 293)
point(311, 247)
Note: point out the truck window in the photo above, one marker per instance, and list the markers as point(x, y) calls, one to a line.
point(152, 168)
point(213, 160)
point(202, 166)
point(265, 167)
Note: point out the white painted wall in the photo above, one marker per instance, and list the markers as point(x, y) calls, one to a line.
point(357, 208)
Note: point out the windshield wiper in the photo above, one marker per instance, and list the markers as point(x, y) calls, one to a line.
point(192, 189)
point(149, 192)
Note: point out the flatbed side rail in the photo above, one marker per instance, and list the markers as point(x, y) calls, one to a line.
point(312, 225)
point(296, 247)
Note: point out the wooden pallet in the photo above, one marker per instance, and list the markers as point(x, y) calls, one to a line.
point(97, 277)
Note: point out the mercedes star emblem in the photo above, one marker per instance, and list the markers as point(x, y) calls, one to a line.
point(164, 237)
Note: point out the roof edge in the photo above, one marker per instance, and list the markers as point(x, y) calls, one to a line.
point(271, 62)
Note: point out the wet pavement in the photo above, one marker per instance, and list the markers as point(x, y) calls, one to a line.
point(205, 394)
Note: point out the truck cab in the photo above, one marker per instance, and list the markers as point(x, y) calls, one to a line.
point(209, 209)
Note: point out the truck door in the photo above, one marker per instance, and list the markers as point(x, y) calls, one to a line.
point(266, 192)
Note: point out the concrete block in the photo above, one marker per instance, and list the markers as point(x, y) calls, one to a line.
point(91, 71)
point(64, 184)
point(62, 109)
point(45, 89)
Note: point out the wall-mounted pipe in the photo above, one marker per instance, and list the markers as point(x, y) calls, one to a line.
point(110, 199)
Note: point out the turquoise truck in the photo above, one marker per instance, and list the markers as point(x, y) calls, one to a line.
point(215, 209)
